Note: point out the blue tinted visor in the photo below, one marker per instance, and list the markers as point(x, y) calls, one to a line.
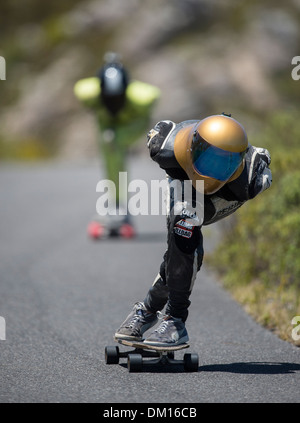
point(214, 162)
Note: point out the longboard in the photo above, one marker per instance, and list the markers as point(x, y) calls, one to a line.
point(159, 355)
point(98, 230)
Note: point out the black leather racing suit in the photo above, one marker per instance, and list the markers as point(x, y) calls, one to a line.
point(183, 257)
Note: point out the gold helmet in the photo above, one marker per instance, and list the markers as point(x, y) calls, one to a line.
point(212, 150)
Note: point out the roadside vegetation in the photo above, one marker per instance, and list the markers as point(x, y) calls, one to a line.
point(259, 257)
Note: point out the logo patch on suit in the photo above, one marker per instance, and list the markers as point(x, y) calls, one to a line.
point(184, 229)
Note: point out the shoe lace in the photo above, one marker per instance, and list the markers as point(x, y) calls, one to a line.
point(136, 317)
point(162, 327)
point(132, 322)
point(161, 315)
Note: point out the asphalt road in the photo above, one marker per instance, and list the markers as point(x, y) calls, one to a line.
point(63, 295)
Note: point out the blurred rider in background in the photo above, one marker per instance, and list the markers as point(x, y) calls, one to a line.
point(123, 109)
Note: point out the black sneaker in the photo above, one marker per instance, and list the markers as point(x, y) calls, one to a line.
point(170, 332)
point(136, 323)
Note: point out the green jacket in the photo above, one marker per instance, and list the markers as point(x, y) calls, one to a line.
point(133, 120)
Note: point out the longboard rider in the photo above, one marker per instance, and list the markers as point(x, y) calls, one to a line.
point(214, 151)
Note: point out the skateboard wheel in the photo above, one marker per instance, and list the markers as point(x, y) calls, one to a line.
point(95, 230)
point(112, 355)
point(191, 362)
point(127, 231)
point(134, 362)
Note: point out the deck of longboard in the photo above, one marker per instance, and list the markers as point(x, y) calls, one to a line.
point(136, 344)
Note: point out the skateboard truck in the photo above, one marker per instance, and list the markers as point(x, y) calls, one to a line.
point(138, 357)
